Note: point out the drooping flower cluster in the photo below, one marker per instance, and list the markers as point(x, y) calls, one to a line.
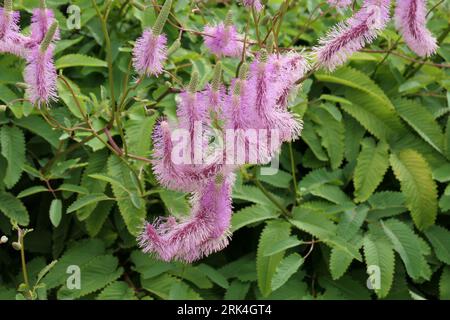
point(410, 20)
point(364, 26)
point(37, 49)
point(251, 117)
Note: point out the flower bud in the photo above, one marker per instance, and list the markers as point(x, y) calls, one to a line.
point(16, 245)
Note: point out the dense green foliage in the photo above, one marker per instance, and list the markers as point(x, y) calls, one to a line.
point(370, 194)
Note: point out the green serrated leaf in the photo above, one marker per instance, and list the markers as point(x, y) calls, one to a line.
point(406, 243)
point(13, 209)
point(444, 284)
point(266, 266)
point(32, 190)
point(440, 240)
point(422, 121)
point(282, 246)
point(371, 165)
point(286, 269)
point(417, 185)
point(117, 290)
point(252, 214)
point(379, 257)
point(12, 142)
point(86, 200)
point(132, 214)
point(78, 60)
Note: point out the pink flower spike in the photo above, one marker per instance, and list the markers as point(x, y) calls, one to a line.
point(206, 230)
point(349, 37)
point(410, 20)
point(41, 21)
point(149, 53)
point(9, 24)
point(40, 76)
point(11, 41)
point(255, 4)
point(223, 40)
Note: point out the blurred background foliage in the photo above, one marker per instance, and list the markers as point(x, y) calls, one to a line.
point(365, 190)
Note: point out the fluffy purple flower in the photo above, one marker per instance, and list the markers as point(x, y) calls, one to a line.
point(267, 80)
point(340, 3)
point(174, 160)
point(204, 231)
point(290, 68)
point(191, 109)
point(149, 53)
point(9, 24)
point(410, 20)
point(349, 37)
point(40, 76)
point(41, 21)
point(11, 41)
point(223, 40)
point(256, 102)
point(255, 4)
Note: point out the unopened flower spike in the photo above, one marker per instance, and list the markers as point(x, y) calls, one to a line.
point(174, 47)
point(150, 50)
point(194, 82)
point(162, 17)
point(49, 36)
point(243, 71)
point(217, 77)
point(270, 43)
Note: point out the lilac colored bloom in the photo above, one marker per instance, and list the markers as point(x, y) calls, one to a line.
point(9, 24)
point(340, 3)
point(40, 76)
point(290, 68)
point(41, 21)
point(255, 4)
point(267, 80)
point(191, 109)
point(214, 98)
point(349, 37)
point(223, 40)
point(177, 168)
point(11, 41)
point(258, 102)
point(410, 20)
point(204, 231)
point(149, 53)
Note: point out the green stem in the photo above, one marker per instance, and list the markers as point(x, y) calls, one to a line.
point(271, 197)
point(385, 57)
point(23, 261)
point(256, 21)
point(410, 71)
point(108, 57)
point(291, 155)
